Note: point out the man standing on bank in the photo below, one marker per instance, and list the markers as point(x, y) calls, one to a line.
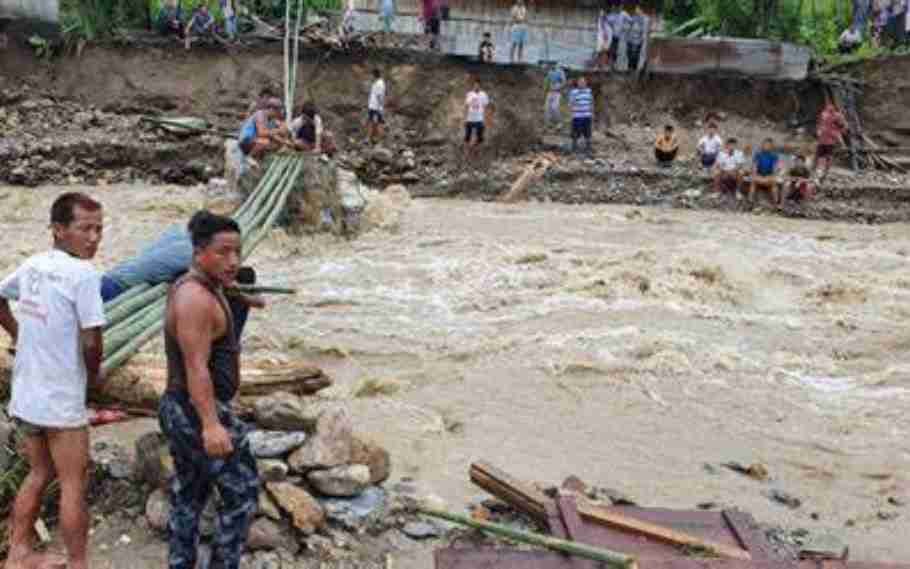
point(207, 441)
point(58, 356)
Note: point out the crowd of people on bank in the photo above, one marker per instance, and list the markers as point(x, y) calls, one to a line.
point(742, 172)
point(885, 22)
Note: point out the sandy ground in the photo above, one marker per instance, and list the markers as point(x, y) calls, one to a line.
point(627, 346)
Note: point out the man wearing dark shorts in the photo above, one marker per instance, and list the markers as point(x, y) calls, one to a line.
point(475, 105)
point(581, 99)
point(208, 442)
point(57, 334)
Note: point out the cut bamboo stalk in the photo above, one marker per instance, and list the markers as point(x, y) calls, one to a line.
point(139, 301)
point(611, 558)
point(130, 293)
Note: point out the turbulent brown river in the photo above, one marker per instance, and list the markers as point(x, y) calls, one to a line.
point(627, 346)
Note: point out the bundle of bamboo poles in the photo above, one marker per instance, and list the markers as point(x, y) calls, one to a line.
point(137, 315)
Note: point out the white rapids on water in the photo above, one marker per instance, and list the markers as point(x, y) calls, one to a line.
point(628, 346)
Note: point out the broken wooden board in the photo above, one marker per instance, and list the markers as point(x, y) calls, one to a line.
point(641, 531)
point(508, 558)
point(140, 383)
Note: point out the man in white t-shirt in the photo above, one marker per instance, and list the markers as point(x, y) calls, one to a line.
point(728, 168)
point(376, 107)
point(475, 107)
point(57, 334)
point(709, 146)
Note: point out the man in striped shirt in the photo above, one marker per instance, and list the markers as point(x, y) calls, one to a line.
point(582, 102)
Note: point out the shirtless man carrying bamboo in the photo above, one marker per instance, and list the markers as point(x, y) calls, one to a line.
point(57, 333)
point(208, 442)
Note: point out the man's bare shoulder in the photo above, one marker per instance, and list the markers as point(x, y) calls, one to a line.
point(193, 299)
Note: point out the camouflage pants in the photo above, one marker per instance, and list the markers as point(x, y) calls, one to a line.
point(196, 474)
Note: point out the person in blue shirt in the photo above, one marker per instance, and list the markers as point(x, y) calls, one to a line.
point(581, 99)
point(166, 259)
point(765, 168)
point(555, 83)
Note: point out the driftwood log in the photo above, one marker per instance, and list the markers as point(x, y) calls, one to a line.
point(139, 384)
point(532, 172)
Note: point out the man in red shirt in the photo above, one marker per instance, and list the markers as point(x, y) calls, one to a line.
point(831, 128)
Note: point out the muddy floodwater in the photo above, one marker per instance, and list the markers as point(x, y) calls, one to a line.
point(627, 346)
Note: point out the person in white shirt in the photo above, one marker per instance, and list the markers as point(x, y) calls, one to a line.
point(475, 106)
point(57, 333)
point(709, 146)
point(376, 107)
point(728, 169)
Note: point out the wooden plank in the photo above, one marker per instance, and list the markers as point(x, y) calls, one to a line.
point(568, 511)
point(531, 501)
point(617, 520)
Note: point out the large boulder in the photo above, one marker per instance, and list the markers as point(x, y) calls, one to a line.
point(329, 446)
point(274, 444)
point(375, 457)
point(282, 411)
point(306, 513)
point(347, 480)
point(154, 464)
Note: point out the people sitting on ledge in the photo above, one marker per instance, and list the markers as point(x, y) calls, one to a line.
point(765, 172)
point(201, 25)
point(261, 132)
point(800, 187)
point(666, 147)
point(728, 169)
point(170, 19)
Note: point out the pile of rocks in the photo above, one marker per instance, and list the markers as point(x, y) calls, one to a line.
point(321, 486)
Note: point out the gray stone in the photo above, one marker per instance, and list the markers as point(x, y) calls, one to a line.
point(112, 458)
point(274, 444)
point(353, 513)
point(266, 534)
point(784, 498)
point(283, 411)
point(421, 530)
point(271, 470)
point(346, 480)
point(157, 509)
point(382, 155)
point(266, 560)
point(329, 446)
point(268, 507)
point(154, 464)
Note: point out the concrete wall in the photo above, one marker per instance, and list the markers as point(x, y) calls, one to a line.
point(46, 11)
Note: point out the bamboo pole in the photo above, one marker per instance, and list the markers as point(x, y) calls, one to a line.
point(120, 357)
point(611, 558)
point(130, 293)
point(115, 315)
